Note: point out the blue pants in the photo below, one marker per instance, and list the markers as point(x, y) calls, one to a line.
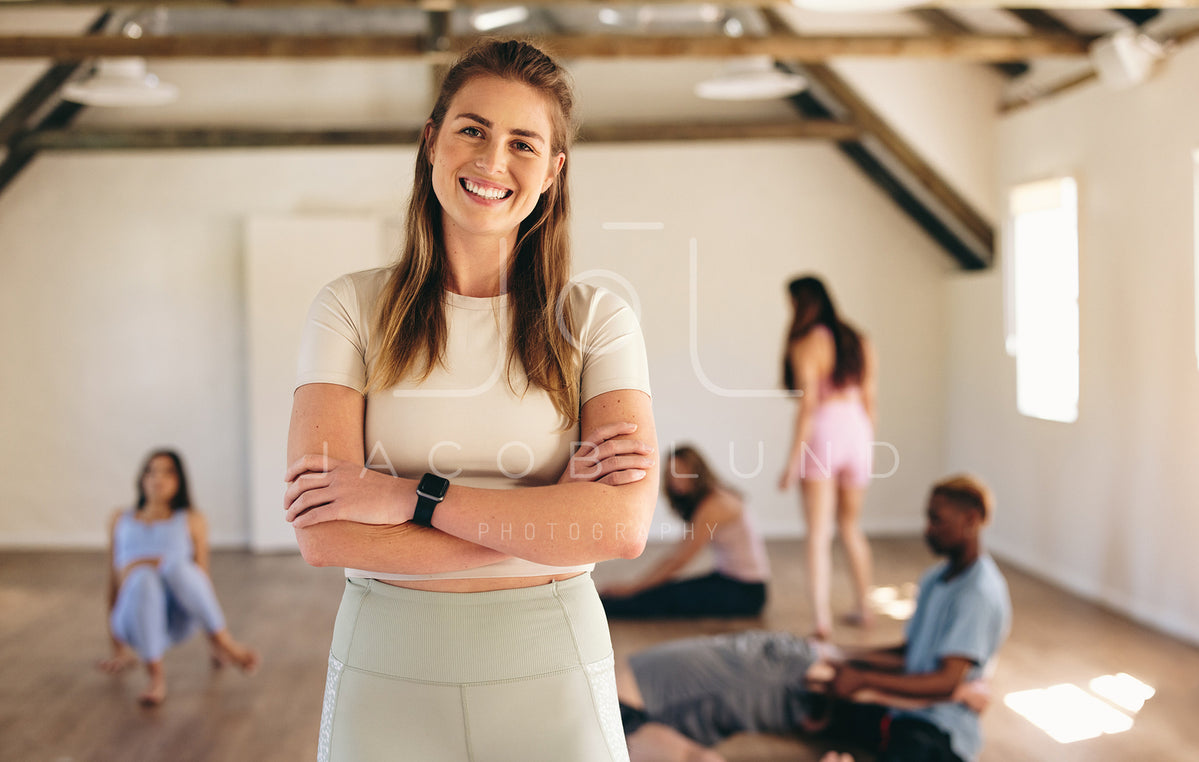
point(159, 607)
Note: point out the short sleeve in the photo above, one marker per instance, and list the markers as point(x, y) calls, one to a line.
point(610, 339)
point(971, 630)
point(333, 343)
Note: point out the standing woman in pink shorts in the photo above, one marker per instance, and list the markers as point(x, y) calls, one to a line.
point(832, 367)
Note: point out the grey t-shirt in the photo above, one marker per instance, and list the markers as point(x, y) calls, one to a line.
point(709, 688)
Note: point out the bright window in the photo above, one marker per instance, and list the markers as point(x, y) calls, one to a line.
point(1041, 269)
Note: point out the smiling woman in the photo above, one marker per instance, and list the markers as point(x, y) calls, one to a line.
point(431, 446)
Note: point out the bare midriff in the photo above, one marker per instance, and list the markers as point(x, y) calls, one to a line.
point(477, 585)
point(844, 394)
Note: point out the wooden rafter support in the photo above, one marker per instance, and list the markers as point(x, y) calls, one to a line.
point(94, 138)
point(1084, 78)
point(970, 255)
point(807, 49)
point(874, 125)
point(14, 121)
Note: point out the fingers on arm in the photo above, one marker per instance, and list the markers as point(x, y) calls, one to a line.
point(620, 424)
point(640, 495)
point(610, 453)
point(327, 422)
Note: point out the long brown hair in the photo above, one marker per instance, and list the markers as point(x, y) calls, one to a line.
point(687, 462)
point(813, 307)
point(411, 320)
point(181, 500)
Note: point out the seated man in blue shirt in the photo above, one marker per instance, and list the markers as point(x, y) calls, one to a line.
point(908, 702)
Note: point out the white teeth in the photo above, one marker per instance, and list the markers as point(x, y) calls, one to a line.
point(488, 193)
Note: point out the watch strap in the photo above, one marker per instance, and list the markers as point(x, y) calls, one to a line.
point(429, 492)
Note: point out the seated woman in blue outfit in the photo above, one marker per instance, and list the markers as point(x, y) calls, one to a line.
point(159, 591)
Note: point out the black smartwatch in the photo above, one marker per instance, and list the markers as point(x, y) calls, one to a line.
point(429, 493)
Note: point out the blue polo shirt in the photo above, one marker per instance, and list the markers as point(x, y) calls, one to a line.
point(968, 616)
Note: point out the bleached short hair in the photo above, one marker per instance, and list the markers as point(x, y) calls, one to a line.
point(967, 491)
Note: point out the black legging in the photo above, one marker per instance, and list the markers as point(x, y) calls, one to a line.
point(712, 595)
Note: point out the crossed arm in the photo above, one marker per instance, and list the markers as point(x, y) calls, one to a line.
point(346, 515)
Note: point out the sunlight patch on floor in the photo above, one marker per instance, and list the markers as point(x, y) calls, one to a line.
point(1067, 713)
point(894, 601)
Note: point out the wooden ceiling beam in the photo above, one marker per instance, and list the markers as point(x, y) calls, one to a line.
point(813, 48)
point(942, 22)
point(451, 4)
point(1041, 21)
point(99, 138)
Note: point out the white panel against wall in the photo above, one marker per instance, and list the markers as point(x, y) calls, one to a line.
point(288, 260)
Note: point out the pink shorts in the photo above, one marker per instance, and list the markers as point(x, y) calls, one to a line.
point(840, 446)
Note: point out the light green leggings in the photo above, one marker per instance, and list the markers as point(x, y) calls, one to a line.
point(511, 675)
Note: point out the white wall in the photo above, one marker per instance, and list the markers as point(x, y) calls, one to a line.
point(122, 310)
point(761, 213)
point(122, 322)
point(1106, 505)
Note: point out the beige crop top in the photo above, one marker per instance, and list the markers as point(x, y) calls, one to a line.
point(465, 421)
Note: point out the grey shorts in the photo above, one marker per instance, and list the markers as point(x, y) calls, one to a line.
point(709, 688)
point(511, 675)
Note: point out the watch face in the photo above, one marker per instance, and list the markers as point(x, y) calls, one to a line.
point(434, 486)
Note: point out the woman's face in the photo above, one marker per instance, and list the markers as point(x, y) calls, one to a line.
point(161, 480)
point(492, 157)
point(680, 479)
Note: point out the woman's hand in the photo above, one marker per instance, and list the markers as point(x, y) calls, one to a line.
point(327, 489)
point(601, 457)
point(789, 478)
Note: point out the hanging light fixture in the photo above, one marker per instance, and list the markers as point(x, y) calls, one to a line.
point(486, 21)
point(120, 82)
point(750, 79)
point(1125, 58)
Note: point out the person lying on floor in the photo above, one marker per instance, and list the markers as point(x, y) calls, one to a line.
point(916, 701)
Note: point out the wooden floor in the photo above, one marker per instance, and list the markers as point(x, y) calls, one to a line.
point(55, 706)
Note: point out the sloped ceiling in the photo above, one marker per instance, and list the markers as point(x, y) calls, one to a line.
point(237, 63)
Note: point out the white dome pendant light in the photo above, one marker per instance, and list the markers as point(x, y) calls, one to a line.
point(120, 82)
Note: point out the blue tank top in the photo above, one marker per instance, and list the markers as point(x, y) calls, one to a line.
point(166, 539)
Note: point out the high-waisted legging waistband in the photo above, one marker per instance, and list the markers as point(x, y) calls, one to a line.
point(521, 675)
point(470, 637)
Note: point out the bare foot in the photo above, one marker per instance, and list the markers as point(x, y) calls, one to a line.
point(117, 663)
point(156, 692)
point(226, 650)
point(863, 619)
